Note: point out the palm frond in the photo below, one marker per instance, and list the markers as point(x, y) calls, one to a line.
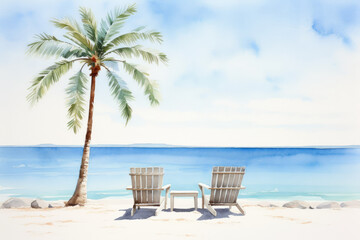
point(74, 33)
point(46, 78)
point(148, 55)
point(81, 42)
point(76, 101)
point(50, 46)
point(75, 53)
point(85, 49)
point(121, 94)
point(133, 37)
point(112, 63)
point(104, 26)
point(89, 23)
point(114, 21)
point(150, 87)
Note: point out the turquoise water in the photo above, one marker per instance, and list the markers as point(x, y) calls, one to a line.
point(271, 173)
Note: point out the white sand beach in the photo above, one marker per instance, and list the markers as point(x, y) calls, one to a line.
point(110, 219)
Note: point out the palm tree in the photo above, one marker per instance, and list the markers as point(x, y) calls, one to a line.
point(96, 47)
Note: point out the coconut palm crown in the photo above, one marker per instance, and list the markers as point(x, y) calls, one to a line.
point(95, 47)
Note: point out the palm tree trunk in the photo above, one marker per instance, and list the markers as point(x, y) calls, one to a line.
point(80, 194)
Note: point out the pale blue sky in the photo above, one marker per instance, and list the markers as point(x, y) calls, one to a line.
point(241, 73)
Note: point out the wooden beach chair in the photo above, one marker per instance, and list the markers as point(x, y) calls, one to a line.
point(147, 186)
point(225, 187)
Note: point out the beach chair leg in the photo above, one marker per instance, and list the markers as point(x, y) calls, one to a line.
point(138, 207)
point(210, 208)
point(166, 196)
point(133, 210)
point(159, 208)
point(202, 197)
point(240, 209)
point(229, 208)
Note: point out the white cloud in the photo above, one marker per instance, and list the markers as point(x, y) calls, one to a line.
point(20, 166)
point(5, 188)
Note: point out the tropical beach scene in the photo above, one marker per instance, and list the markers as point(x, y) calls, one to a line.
point(153, 119)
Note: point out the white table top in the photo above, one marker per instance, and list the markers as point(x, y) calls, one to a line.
point(184, 192)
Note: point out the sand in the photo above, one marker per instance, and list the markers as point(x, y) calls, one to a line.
point(110, 219)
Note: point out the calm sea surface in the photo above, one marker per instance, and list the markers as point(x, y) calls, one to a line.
point(271, 173)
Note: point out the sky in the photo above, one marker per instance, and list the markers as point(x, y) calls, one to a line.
point(241, 74)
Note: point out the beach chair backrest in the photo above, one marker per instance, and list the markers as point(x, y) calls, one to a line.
point(146, 184)
point(225, 184)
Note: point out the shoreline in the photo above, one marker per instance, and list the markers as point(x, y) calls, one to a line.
point(313, 204)
point(315, 199)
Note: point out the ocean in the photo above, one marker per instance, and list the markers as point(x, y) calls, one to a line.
point(51, 173)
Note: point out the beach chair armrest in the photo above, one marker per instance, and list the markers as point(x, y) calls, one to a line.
point(166, 187)
point(242, 187)
point(202, 185)
point(129, 188)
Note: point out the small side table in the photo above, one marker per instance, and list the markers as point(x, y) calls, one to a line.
point(193, 194)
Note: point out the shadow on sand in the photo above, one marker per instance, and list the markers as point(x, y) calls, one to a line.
point(220, 213)
point(145, 213)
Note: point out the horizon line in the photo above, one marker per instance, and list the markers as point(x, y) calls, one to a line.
point(163, 145)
